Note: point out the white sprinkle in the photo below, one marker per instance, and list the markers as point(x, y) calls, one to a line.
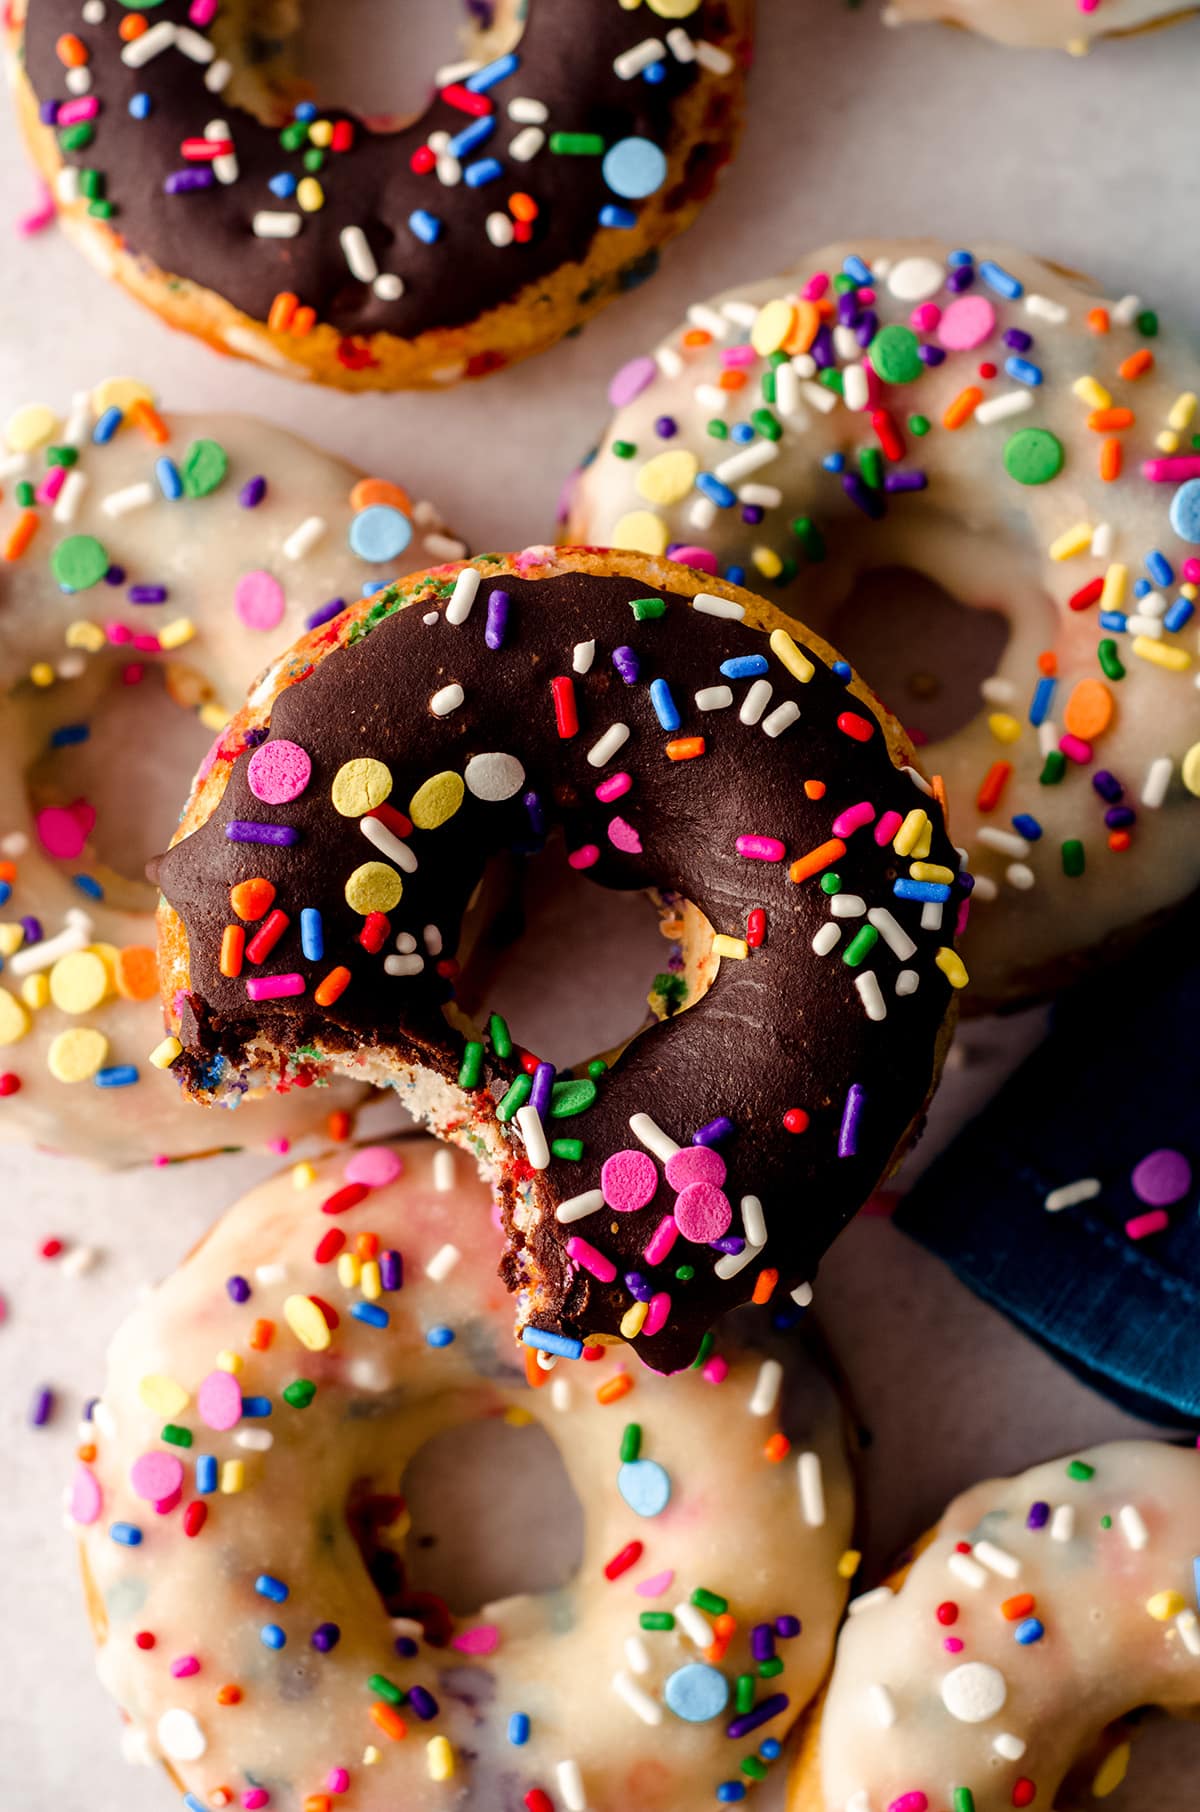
point(1045, 309)
point(582, 656)
point(781, 718)
point(560, 1391)
point(742, 314)
point(730, 1263)
point(1007, 842)
point(1020, 876)
point(94, 12)
point(443, 1171)
point(254, 1440)
point(1152, 605)
point(700, 315)
point(1132, 1527)
point(303, 539)
point(869, 1601)
point(218, 75)
point(448, 171)
point(713, 58)
point(881, 1707)
point(787, 396)
point(681, 46)
point(403, 965)
point(891, 931)
point(1047, 737)
point(968, 1570)
point(711, 400)
point(388, 844)
point(194, 45)
point(694, 1623)
point(75, 935)
point(179, 1734)
point(445, 77)
point(1189, 1631)
point(907, 982)
point(754, 1223)
point(915, 279)
point(997, 1559)
point(812, 1489)
point(631, 62)
point(1071, 1193)
point(528, 112)
point(1136, 624)
point(442, 547)
point(432, 939)
point(1102, 541)
point(702, 513)
point(919, 781)
point(1127, 310)
point(570, 1785)
point(652, 1137)
point(1000, 408)
point(124, 502)
point(746, 460)
point(1158, 779)
point(856, 392)
point(66, 183)
point(78, 1261)
point(827, 938)
point(536, 1148)
point(871, 995)
point(406, 943)
point(358, 254)
point(995, 690)
point(389, 288)
point(270, 224)
point(225, 168)
point(821, 399)
point(763, 496)
point(463, 596)
point(270, 1274)
point(1062, 1523)
point(494, 776)
point(1010, 1747)
point(442, 1263)
point(847, 905)
point(709, 605)
point(755, 701)
point(430, 618)
point(802, 1295)
point(448, 699)
point(578, 1207)
point(79, 81)
point(526, 145)
point(931, 915)
point(637, 1654)
point(614, 738)
point(714, 698)
point(637, 1698)
point(765, 1394)
point(669, 362)
point(151, 44)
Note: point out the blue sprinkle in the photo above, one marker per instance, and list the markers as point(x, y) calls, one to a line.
point(139, 106)
point(257, 1407)
point(128, 1534)
point(1043, 694)
point(1159, 567)
point(441, 1335)
point(645, 1486)
point(312, 934)
point(1029, 1630)
point(1002, 281)
point(743, 433)
point(920, 890)
point(842, 670)
point(771, 1750)
point(729, 1792)
point(206, 1474)
point(66, 734)
point(167, 474)
point(854, 267)
point(1184, 512)
point(613, 216)
point(1113, 619)
point(117, 1075)
point(1024, 371)
point(715, 491)
point(1142, 588)
point(271, 1636)
point(5, 893)
point(380, 532)
point(425, 225)
point(471, 136)
point(486, 170)
point(834, 462)
point(491, 73)
point(304, 110)
point(1027, 826)
point(696, 1692)
point(284, 185)
point(736, 575)
point(107, 426)
point(192, 1804)
point(634, 168)
point(545, 1342)
point(518, 1729)
point(88, 884)
point(745, 666)
point(371, 1313)
point(664, 705)
point(654, 73)
point(957, 259)
point(1181, 612)
point(267, 1586)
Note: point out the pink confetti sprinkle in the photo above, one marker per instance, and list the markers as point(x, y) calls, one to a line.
point(623, 836)
point(156, 1477)
point(483, 1639)
point(259, 600)
point(695, 1164)
point(966, 323)
point(656, 1585)
point(702, 1213)
point(219, 1401)
point(86, 1496)
point(375, 1166)
point(628, 1180)
point(587, 857)
point(631, 380)
point(63, 830)
point(1162, 1177)
point(278, 771)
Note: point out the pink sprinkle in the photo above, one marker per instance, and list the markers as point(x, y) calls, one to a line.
point(695, 1164)
point(202, 12)
point(953, 1645)
point(656, 1314)
point(156, 1477)
point(656, 1585)
point(40, 215)
point(702, 1213)
point(63, 830)
point(738, 355)
point(966, 323)
point(1142, 1225)
point(661, 1240)
point(623, 836)
point(1191, 571)
point(484, 1639)
point(587, 857)
point(925, 317)
point(613, 787)
point(628, 1180)
point(853, 818)
point(256, 1797)
point(1171, 471)
point(86, 1497)
point(909, 1802)
point(761, 849)
point(1075, 749)
point(702, 558)
point(219, 1401)
point(279, 1146)
point(631, 380)
point(259, 600)
point(964, 913)
point(278, 771)
point(816, 286)
point(185, 1667)
point(145, 644)
point(338, 1779)
point(86, 107)
point(274, 987)
point(117, 634)
point(887, 827)
point(715, 1370)
point(375, 1166)
point(585, 1254)
point(51, 484)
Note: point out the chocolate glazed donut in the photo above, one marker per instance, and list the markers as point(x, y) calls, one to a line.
point(534, 187)
point(691, 741)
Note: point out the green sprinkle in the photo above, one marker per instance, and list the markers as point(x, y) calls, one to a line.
point(645, 610)
point(572, 1097)
point(767, 388)
point(776, 359)
point(500, 1036)
point(515, 1096)
point(1053, 768)
point(203, 467)
point(577, 144)
point(176, 1436)
point(753, 1768)
point(767, 1670)
point(766, 423)
point(1110, 660)
point(314, 159)
point(1033, 456)
point(569, 1149)
point(1106, 1521)
point(831, 379)
point(831, 883)
point(918, 425)
point(685, 1274)
point(657, 1620)
point(76, 138)
point(383, 1688)
point(294, 136)
point(671, 989)
point(1147, 323)
point(810, 537)
point(963, 1800)
point(624, 449)
point(1079, 1469)
point(712, 1602)
point(870, 464)
point(896, 354)
point(597, 1068)
point(472, 1064)
point(299, 1393)
point(91, 183)
point(631, 1441)
point(25, 494)
point(706, 1345)
point(102, 210)
point(844, 284)
point(717, 429)
point(79, 561)
point(743, 1692)
point(860, 946)
point(61, 456)
point(1073, 858)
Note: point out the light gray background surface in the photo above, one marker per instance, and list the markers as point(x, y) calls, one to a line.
point(851, 127)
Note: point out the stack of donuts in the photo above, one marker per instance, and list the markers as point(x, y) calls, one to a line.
point(272, 748)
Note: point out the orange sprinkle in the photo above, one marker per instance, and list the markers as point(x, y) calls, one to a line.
point(262, 1334)
point(132, 26)
point(332, 987)
point(732, 379)
point(685, 748)
point(369, 491)
point(229, 1695)
point(1110, 421)
point(725, 1626)
point(233, 947)
point(777, 1448)
point(994, 783)
point(1021, 1605)
point(252, 899)
point(389, 1720)
point(1089, 709)
point(146, 417)
point(366, 1245)
point(535, 1375)
point(522, 206)
point(86, 1453)
point(21, 534)
point(318, 1802)
point(8, 871)
point(939, 792)
point(303, 322)
point(613, 1389)
point(1119, 841)
point(817, 859)
point(963, 407)
point(804, 329)
point(697, 336)
point(764, 1285)
point(1047, 663)
point(1097, 320)
point(71, 50)
point(1137, 364)
point(814, 789)
point(282, 311)
point(1112, 458)
point(135, 972)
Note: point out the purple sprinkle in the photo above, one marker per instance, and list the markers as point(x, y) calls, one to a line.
point(960, 278)
point(847, 307)
point(931, 356)
point(787, 1626)
point(762, 1642)
point(405, 1647)
point(631, 380)
point(48, 112)
point(391, 1269)
point(856, 1096)
point(423, 1703)
point(147, 594)
point(1018, 339)
point(868, 327)
point(822, 348)
point(535, 813)
point(964, 880)
point(497, 619)
point(729, 1243)
point(33, 930)
point(1108, 786)
point(752, 513)
point(637, 1286)
point(626, 663)
point(254, 735)
point(324, 613)
point(713, 1131)
point(862, 496)
point(42, 1407)
point(180, 182)
point(253, 492)
point(1039, 1515)
point(238, 1288)
point(905, 481)
point(1120, 817)
point(240, 830)
point(666, 427)
point(543, 1082)
point(762, 1714)
point(115, 575)
point(325, 1637)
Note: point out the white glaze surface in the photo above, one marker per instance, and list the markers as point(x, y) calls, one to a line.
point(1055, 24)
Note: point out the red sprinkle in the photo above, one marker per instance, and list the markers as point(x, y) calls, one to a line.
point(329, 1245)
point(195, 1517)
point(947, 1613)
point(50, 1248)
point(349, 1196)
point(537, 1801)
point(851, 724)
point(374, 934)
point(396, 821)
point(267, 936)
point(10, 1084)
point(1024, 1792)
point(466, 100)
point(1087, 594)
point(422, 161)
point(890, 437)
point(621, 1562)
point(566, 714)
point(144, 1639)
point(994, 783)
point(796, 1120)
point(756, 928)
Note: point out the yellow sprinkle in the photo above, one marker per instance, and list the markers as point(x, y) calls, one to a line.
point(304, 1174)
point(911, 832)
point(177, 633)
point(163, 1055)
point(310, 196)
point(797, 664)
point(1189, 591)
point(29, 427)
point(88, 636)
point(75, 1055)
point(120, 393)
point(307, 1323)
point(1180, 414)
point(359, 786)
point(1091, 392)
point(370, 1755)
point(11, 939)
point(213, 717)
point(767, 562)
point(1166, 442)
point(1189, 770)
point(1161, 654)
point(1111, 1772)
point(440, 1758)
point(772, 326)
point(78, 982)
point(320, 133)
point(849, 1563)
point(229, 1361)
point(1072, 541)
point(436, 800)
point(349, 1270)
point(516, 1417)
point(1116, 581)
point(371, 1283)
point(736, 947)
point(632, 1319)
point(162, 1395)
point(641, 532)
point(233, 1476)
point(932, 871)
point(668, 477)
point(1165, 1605)
point(42, 674)
point(35, 990)
point(951, 965)
point(374, 888)
point(1004, 726)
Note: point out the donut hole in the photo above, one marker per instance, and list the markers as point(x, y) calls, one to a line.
point(926, 652)
point(493, 1514)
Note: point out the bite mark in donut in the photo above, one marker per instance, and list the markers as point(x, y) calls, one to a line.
point(685, 737)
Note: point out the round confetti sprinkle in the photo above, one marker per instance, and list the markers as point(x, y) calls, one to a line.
point(156, 1477)
point(966, 323)
point(1189, 770)
point(63, 830)
point(359, 786)
point(642, 532)
point(79, 561)
point(634, 168)
point(76, 1055)
point(645, 1486)
point(696, 1692)
point(219, 1401)
point(896, 354)
point(380, 533)
point(695, 1164)
point(436, 800)
point(30, 427)
point(668, 477)
point(915, 279)
point(14, 1019)
point(79, 982)
point(259, 600)
point(86, 1499)
point(278, 771)
point(1162, 1177)
point(203, 467)
point(974, 1692)
point(1033, 456)
point(494, 776)
point(375, 1166)
point(628, 1180)
point(631, 380)
point(180, 1737)
point(702, 1213)
point(374, 887)
point(1185, 511)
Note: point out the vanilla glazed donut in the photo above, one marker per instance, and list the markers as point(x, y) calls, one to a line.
point(687, 738)
point(536, 186)
point(1072, 25)
point(142, 554)
point(1042, 1611)
point(243, 1531)
point(987, 422)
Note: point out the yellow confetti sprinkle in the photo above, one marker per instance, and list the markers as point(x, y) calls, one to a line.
point(772, 326)
point(120, 393)
point(75, 1055)
point(35, 990)
point(736, 947)
point(641, 532)
point(359, 786)
point(1165, 1605)
point(161, 1395)
point(29, 427)
point(1111, 1772)
point(668, 477)
point(307, 1323)
point(1004, 726)
point(440, 1758)
point(436, 800)
point(1161, 654)
point(163, 1055)
point(11, 939)
point(79, 982)
point(951, 965)
point(374, 888)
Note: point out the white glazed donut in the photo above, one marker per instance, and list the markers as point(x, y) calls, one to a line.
point(1044, 1609)
point(986, 422)
point(108, 579)
point(1072, 25)
point(252, 1641)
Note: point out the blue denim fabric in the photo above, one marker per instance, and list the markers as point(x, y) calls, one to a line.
point(1118, 1077)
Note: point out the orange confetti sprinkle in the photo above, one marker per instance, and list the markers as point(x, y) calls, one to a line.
point(370, 491)
point(132, 26)
point(1089, 709)
point(135, 972)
